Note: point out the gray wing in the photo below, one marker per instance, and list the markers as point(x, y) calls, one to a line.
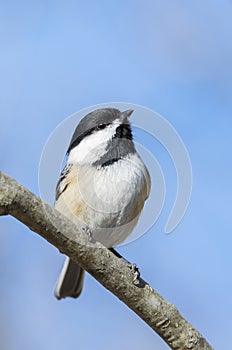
point(70, 282)
point(62, 184)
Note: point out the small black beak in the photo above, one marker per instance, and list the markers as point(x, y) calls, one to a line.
point(127, 113)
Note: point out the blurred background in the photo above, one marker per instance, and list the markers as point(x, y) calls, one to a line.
point(174, 57)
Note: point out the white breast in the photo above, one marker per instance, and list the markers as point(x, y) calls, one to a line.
point(111, 198)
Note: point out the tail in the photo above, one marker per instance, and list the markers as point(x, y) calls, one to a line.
point(70, 282)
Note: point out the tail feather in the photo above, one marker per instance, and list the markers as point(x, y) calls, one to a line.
point(70, 282)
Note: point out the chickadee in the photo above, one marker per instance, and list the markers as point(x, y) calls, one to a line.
point(104, 185)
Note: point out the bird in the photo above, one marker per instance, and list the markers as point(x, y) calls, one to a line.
point(103, 185)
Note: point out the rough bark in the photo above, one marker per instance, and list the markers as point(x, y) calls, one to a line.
point(112, 272)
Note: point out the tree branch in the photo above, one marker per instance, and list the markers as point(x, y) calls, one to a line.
point(112, 272)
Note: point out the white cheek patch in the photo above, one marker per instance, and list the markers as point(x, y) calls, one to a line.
point(93, 147)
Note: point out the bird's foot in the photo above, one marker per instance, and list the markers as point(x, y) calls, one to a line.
point(89, 233)
point(133, 267)
point(136, 272)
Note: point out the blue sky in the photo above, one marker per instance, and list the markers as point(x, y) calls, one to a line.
point(174, 57)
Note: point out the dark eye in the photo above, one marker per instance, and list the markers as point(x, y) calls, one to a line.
point(101, 126)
